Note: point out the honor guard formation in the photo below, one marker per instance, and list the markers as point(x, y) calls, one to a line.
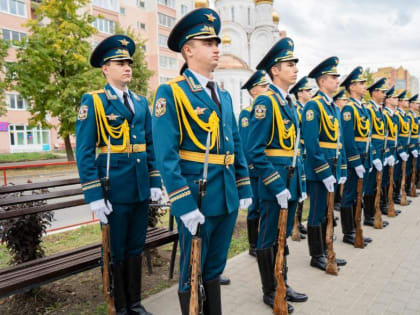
point(333, 150)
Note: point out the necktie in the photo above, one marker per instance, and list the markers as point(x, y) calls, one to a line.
point(211, 85)
point(289, 100)
point(126, 103)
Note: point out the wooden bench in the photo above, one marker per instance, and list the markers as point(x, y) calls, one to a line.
point(32, 274)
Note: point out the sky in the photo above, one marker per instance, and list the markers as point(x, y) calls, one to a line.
point(369, 33)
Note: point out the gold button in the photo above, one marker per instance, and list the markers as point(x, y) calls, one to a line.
point(138, 160)
point(134, 136)
point(227, 139)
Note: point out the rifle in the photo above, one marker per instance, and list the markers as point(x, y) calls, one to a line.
point(332, 268)
point(295, 230)
point(404, 201)
point(198, 296)
point(391, 208)
point(106, 245)
point(377, 223)
point(413, 192)
point(358, 240)
point(280, 303)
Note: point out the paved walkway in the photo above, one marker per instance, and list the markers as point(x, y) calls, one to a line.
point(382, 278)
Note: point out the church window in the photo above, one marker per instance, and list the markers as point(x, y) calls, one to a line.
point(233, 14)
point(249, 16)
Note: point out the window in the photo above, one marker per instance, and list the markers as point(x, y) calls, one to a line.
point(167, 62)
point(233, 14)
point(164, 79)
point(168, 3)
point(166, 20)
point(141, 26)
point(122, 11)
point(25, 135)
point(141, 4)
point(241, 95)
point(13, 7)
point(15, 101)
point(184, 9)
point(107, 4)
point(104, 25)
point(6, 69)
point(249, 16)
point(12, 35)
point(163, 41)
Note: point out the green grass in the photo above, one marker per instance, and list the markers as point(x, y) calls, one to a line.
point(52, 244)
point(30, 156)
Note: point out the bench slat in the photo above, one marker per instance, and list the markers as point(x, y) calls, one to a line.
point(38, 197)
point(34, 186)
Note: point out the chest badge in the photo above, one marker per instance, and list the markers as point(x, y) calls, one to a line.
point(200, 111)
point(112, 117)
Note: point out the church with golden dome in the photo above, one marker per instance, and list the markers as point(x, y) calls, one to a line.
point(249, 30)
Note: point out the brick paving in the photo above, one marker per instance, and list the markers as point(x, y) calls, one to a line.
point(382, 278)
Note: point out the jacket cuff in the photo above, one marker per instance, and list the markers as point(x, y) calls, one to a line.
point(92, 190)
point(182, 201)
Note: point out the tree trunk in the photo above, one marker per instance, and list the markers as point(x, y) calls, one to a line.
point(69, 149)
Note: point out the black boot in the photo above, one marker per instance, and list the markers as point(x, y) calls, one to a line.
point(368, 209)
point(213, 302)
point(133, 285)
point(292, 295)
point(347, 224)
point(184, 302)
point(339, 261)
point(253, 235)
point(384, 200)
point(265, 259)
point(396, 192)
point(316, 247)
point(120, 297)
point(224, 280)
point(299, 211)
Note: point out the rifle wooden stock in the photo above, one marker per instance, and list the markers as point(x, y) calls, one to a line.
point(404, 201)
point(391, 208)
point(295, 230)
point(195, 264)
point(280, 303)
point(106, 254)
point(377, 222)
point(358, 240)
point(331, 268)
point(413, 192)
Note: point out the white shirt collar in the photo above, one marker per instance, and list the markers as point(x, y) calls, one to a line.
point(203, 82)
point(282, 92)
point(374, 103)
point(390, 109)
point(120, 94)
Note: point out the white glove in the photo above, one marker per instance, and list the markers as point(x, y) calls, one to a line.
point(360, 170)
point(303, 197)
point(245, 203)
point(415, 153)
point(342, 180)
point(378, 164)
point(404, 156)
point(391, 160)
point(192, 219)
point(155, 194)
point(329, 183)
point(101, 209)
point(283, 197)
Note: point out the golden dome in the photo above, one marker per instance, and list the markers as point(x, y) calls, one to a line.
point(276, 17)
point(263, 1)
point(229, 61)
point(226, 39)
point(201, 4)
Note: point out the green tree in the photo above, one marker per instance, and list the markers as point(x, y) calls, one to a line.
point(368, 74)
point(52, 69)
point(4, 45)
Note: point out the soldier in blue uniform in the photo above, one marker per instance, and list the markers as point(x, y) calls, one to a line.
point(273, 128)
point(412, 146)
point(303, 93)
point(121, 117)
point(256, 85)
point(322, 133)
point(356, 129)
point(404, 126)
point(377, 91)
point(340, 98)
point(390, 154)
point(186, 109)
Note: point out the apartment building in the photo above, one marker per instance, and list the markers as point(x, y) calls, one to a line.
point(152, 19)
